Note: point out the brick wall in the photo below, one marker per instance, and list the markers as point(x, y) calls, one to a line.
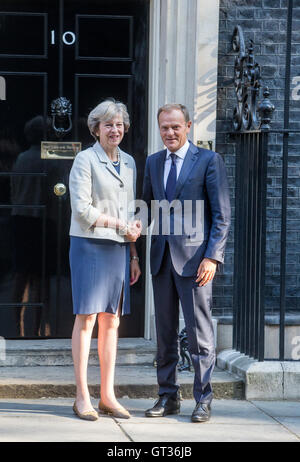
point(263, 21)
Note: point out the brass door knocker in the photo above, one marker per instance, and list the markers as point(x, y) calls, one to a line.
point(61, 111)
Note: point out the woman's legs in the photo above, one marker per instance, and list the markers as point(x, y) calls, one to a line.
point(107, 349)
point(81, 341)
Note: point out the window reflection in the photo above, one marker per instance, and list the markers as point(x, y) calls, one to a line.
point(9, 150)
point(27, 196)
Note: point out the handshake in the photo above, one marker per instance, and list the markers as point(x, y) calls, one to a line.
point(131, 230)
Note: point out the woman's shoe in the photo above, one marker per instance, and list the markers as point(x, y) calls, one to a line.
point(119, 412)
point(86, 415)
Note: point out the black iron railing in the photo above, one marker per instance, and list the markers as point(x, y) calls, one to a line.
point(250, 239)
point(252, 132)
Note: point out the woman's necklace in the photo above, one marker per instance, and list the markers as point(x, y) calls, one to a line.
point(116, 162)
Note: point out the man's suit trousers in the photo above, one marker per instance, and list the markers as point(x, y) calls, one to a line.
point(168, 289)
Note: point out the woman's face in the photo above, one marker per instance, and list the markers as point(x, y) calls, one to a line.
point(111, 132)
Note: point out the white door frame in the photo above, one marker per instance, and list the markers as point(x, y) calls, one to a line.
point(183, 51)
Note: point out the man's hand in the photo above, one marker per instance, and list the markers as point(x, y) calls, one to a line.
point(134, 230)
point(206, 271)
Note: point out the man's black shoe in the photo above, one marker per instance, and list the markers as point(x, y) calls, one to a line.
point(165, 405)
point(201, 413)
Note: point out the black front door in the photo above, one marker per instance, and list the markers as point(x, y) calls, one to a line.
point(85, 52)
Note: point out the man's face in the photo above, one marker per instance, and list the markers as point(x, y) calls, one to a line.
point(173, 129)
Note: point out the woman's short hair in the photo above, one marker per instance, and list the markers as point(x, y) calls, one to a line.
point(171, 107)
point(105, 111)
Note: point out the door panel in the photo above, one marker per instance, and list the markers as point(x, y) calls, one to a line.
point(85, 51)
point(89, 85)
point(19, 32)
point(93, 32)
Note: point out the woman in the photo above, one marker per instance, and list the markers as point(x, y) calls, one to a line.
point(102, 183)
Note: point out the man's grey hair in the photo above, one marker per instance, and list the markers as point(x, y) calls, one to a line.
point(171, 107)
point(105, 111)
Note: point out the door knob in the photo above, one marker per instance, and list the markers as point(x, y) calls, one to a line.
point(60, 189)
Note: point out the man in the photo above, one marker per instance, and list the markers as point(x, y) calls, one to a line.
point(182, 264)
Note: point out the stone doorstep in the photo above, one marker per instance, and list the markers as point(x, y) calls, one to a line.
point(265, 380)
point(137, 381)
point(58, 352)
point(44, 368)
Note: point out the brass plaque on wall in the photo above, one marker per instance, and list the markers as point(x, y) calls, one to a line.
point(59, 149)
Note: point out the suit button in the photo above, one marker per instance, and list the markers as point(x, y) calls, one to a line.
point(121, 186)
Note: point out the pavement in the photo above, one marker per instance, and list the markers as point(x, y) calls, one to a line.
point(52, 420)
point(37, 390)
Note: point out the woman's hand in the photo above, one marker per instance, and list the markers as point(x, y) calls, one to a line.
point(135, 271)
point(134, 230)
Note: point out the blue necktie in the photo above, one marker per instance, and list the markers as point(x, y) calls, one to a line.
point(172, 178)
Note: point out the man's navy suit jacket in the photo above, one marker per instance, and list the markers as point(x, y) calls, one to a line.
point(202, 178)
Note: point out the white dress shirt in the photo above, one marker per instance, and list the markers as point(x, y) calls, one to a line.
point(180, 155)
